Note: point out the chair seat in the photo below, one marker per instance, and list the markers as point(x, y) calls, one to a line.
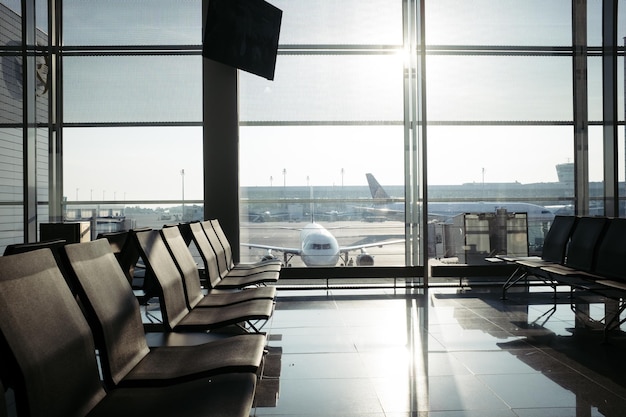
point(226, 298)
point(229, 395)
point(166, 365)
point(216, 318)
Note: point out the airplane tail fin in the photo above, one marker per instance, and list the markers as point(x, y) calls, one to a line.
point(378, 193)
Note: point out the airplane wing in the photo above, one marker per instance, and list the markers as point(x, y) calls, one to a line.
point(288, 253)
point(346, 249)
point(269, 248)
point(363, 258)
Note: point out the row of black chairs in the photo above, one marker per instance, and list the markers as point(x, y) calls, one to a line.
point(585, 253)
point(50, 333)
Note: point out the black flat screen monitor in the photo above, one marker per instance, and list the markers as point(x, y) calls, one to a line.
point(243, 34)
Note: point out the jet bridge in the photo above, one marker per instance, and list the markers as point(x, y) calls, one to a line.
point(472, 237)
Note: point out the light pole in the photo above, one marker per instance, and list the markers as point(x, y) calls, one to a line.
point(285, 186)
point(182, 175)
point(342, 194)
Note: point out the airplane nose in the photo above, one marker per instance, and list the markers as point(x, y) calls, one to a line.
point(320, 259)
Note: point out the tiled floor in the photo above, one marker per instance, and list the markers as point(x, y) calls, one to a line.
point(444, 353)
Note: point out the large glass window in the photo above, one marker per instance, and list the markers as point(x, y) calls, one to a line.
point(132, 112)
point(24, 98)
point(500, 114)
point(333, 114)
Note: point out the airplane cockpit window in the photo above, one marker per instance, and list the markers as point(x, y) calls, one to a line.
point(319, 246)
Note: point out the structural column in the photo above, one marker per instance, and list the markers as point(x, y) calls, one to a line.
point(609, 106)
point(581, 117)
point(221, 146)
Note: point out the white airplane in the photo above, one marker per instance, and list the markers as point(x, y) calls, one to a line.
point(386, 208)
point(318, 247)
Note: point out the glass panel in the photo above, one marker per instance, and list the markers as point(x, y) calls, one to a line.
point(464, 88)
point(132, 89)
point(502, 22)
point(594, 23)
point(11, 165)
point(42, 158)
point(594, 87)
point(11, 23)
point(512, 155)
point(11, 93)
point(317, 173)
point(477, 169)
point(42, 91)
point(346, 22)
point(621, 22)
point(41, 15)
point(13, 5)
point(596, 171)
point(132, 164)
point(11, 189)
point(11, 225)
point(137, 22)
point(326, 88)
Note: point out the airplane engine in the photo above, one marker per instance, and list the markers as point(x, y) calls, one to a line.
point(364, 259)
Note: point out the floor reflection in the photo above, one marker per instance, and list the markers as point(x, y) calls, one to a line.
point(444, 353)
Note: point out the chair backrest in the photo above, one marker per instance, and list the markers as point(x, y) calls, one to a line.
point(112, 310)
point(581, 250)
point(48, 339)
point(117, 240)
point(161, 265)
point(555, 242)
point(186, 264)
point(55, 245)
point(185, 232)
point(207, 253)
point(221, 235)
point(611, 256)
point(119, 246)
point(218, 249)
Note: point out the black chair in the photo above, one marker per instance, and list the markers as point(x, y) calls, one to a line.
point(213, 226)
point(124, 246)
point(569, 237)
point(115, 319)
point(555, 243)
point(52, 366)
point(191, 277)
point(55, 245)
point(611, 254)
point(119, 246)
point(177, 316)
point(582, 248)
point(221, 279)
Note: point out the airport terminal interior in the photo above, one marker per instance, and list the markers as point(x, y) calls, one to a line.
point(400, 167)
